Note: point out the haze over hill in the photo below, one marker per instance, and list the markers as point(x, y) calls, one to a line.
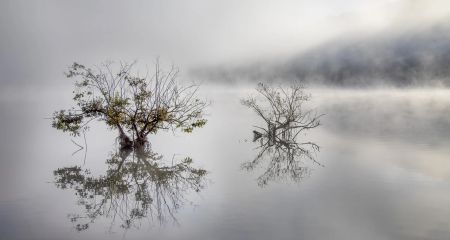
point(412, 48)
point(414, 57)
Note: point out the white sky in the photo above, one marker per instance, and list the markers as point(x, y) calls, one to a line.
point(41, 38)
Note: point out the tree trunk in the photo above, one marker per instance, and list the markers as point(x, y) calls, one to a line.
point(140, 140)
point(124, 140)
point(272, 133)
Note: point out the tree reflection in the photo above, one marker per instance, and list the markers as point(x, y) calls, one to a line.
point(285, 117)
point(138, 184)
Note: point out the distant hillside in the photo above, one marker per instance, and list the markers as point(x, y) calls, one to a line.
point(413, 57)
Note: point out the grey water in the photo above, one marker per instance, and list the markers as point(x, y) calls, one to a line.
point(384, 172)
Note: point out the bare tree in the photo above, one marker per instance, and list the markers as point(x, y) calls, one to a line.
point(283, 112)
point(134, 105)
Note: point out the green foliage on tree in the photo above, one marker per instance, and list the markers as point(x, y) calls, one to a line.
point(134, 105)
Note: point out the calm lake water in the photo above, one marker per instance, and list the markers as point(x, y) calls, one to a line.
point(385, 174)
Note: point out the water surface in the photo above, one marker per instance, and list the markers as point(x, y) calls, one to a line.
point(385, 172)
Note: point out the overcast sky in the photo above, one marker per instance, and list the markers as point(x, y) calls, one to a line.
point(39, 39)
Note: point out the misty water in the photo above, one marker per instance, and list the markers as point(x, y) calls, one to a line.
point(385, 173)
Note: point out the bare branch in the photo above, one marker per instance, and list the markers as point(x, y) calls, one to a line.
point(283, 112)
point(134, 105)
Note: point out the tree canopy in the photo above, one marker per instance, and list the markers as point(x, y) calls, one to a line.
point(134, 105)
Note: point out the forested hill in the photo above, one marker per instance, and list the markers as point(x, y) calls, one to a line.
point(419, 56)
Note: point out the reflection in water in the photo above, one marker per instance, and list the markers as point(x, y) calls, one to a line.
point(374, 186)
point(283, 112)
point(137, 185)
point(285, 158)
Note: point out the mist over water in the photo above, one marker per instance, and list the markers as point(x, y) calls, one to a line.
point(378, 76)
point(384, 175)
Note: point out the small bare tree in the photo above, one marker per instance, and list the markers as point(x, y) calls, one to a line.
point(134, 105)
point(283, 112)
